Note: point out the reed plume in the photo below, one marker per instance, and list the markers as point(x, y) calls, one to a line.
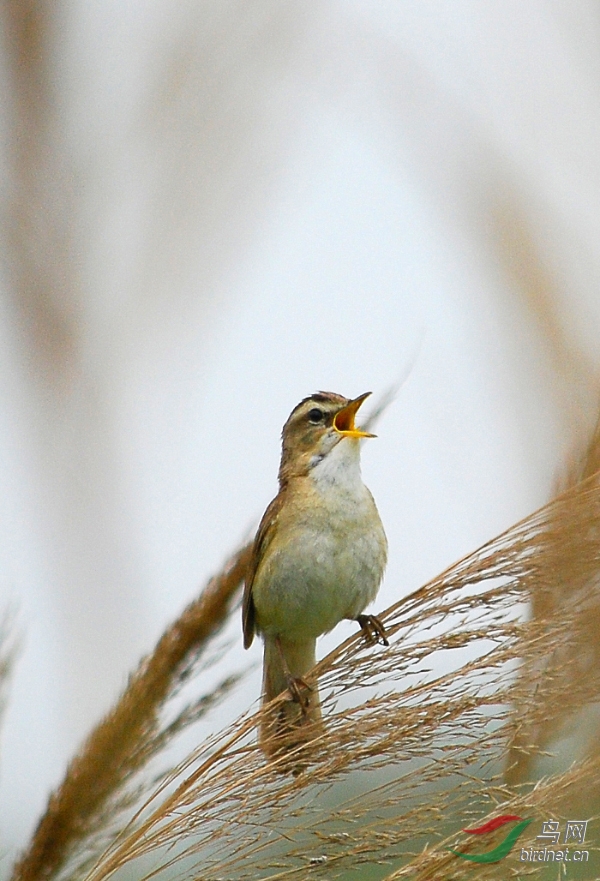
point(417, 741)
point(129, 735)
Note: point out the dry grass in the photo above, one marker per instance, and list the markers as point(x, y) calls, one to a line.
point(418, 737)
point(8, 651)
point(129, 736)
point(566, 589)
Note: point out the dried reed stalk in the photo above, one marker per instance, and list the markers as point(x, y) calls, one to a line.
point(568, 591)
point(423, 730)
point(421, 738)
point(550, 798)
point(8, 650)
point(41, 235)
point(122, 743)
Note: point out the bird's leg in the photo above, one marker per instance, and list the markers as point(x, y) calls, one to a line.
point(296, 686)
point(373, 628)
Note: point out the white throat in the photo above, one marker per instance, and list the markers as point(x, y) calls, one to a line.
point(339, 468)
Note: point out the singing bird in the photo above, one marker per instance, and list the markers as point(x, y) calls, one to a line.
point(318, 557)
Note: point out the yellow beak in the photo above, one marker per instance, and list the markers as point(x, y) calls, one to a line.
point(344, 420)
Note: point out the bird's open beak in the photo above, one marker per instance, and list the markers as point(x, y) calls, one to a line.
point(344, 420)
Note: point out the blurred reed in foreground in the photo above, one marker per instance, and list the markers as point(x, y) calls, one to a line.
point(83, 807)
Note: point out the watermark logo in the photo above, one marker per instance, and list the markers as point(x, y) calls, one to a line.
point(574, 833)
point(506, 845)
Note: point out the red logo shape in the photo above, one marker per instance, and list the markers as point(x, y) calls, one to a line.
point(493, 824)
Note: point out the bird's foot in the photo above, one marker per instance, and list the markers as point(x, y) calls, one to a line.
point(297, 687)
point(299, 691)
point(373, 629)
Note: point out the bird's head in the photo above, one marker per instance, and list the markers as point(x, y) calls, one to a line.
point(314, 428)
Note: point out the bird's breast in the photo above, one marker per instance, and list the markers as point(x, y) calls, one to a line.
point(325, 561)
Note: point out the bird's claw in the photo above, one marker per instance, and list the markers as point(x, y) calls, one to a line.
point(298, 689)
point(373, 629)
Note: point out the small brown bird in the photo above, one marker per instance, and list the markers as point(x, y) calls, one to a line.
point(319, 556)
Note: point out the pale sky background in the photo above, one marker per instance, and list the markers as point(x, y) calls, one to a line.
point(264, 200)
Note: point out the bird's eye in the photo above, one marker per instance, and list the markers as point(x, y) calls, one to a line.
point(315, 416)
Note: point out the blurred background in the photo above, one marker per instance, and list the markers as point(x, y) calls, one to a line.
point(210, 210)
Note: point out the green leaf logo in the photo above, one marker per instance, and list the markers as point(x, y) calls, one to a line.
point(505, 846)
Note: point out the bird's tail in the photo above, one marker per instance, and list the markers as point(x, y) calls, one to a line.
point(292, 722)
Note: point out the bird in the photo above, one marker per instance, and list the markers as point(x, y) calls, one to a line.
point(318, 557)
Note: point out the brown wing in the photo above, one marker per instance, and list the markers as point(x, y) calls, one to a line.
point(264, 537)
